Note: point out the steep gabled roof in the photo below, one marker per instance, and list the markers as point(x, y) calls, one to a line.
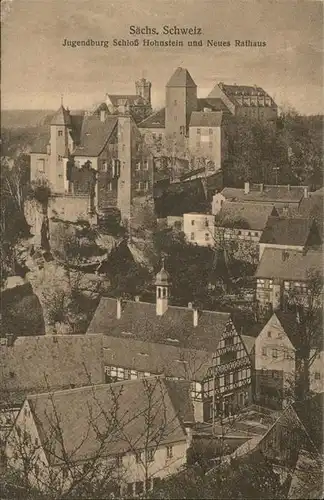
point(37, 362)
point(170, 359)
point(214, 103)
point(82, 415)
point(155, 120)
point(288, 264)
point(140, 319)
point(95, 134)
point(286, 231)
point(61, 117)
point(206, 119)
point(255, 215)
point(181, 78)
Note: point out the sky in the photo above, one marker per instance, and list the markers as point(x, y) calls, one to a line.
point(37, 69)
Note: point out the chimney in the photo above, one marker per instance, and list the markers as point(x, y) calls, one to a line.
point(246, 187)
point(119, 308)
point(195, 317)
point(261, 188)
point(305, 192)
point(189, 305)
point(136, 298)
point(103, 115)
point(288, 187)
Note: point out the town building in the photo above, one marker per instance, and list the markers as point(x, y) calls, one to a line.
point(282, 272)
point(133, 432)
point(139, 104)
point(50, 362)
point(242, 221)
point(199, 228)
point(283, 197)
point(283, 233)
point(93, 163)
point(180, 342)
point(277, 355)
point(198, 126)
point(246, 101)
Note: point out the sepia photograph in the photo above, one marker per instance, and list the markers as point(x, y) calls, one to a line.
point(161, 250)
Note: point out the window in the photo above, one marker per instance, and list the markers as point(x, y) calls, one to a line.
point(264, 351)
point(175, 102)
point(129, 489)
point(60, 157)
point(256, 234)
point(25, 412)
point(104, 166)
point(109, 186)
point(192, 236)
point(317, 376)
point(139, 487)
point(227, 379)
point(138, 186)
point(287, 355)
point(60, 133)
point(274, 353)
point(229, 341)
point(206, 236)
point(138, 165)
point(41, 165)
point(138, 457)
point(182, 130)
point(239, 232)
point(269, 335)
point(198, 131)
point(206, 223)
point(146, 186)
point(210, 131)
point(150, 456)
point(192, 222)
point(119, 460)
point(36, 442)
point(169, 451)
point(146, 165)
point(154, 136)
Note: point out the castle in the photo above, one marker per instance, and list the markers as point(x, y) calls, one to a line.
point(102, 159)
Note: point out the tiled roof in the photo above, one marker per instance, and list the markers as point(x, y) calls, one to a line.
point(215, 103)
point(181, 78)
point(36, 363)
point(140, 319)
point(270, 193)
point(286, 231)
point(132, 99)
point(126, 351)
point(155, 120)
point(288, 264)
point(255, 215)
point(61, 117)
point(95, 134)
point(206, 119)
point(130, 403)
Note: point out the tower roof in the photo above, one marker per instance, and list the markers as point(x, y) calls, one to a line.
point(162, 277)
point(61, 117)
point(181, 78)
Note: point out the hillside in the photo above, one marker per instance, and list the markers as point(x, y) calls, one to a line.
point(21, 118)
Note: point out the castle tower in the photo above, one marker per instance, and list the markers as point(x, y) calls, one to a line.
point(180, 102)
point(125, 135)
point(143, 88)
point(162, 283)
point(60, 125)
